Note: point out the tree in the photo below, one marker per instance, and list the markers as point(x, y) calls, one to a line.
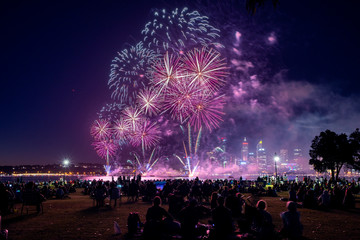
point(354, 140)
point(330, 151)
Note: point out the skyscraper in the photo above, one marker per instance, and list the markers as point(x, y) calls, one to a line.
point(245, 150)
point(284, 156)
point(297, 154)
point(261, 156)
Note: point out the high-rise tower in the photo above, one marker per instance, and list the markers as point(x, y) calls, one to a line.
point(245, 150)
point(261, 156)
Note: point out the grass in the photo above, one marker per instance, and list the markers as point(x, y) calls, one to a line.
point(76, 218)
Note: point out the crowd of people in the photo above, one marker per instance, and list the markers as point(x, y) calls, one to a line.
point(233, 207)
point(33, 193)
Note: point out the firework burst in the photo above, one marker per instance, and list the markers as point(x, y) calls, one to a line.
point(207, 111)
point(132, 117)
point(166, 72)
point(105, 148)
point(149, 101)
point(179, 30)
point(206, 68)
point(179, 99)
point(121, 129)
point(147, 135)
point(129, 72)
point(101, 129)
point(110, 112)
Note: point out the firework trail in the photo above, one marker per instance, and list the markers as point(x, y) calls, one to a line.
point(129, 72)
point(197, 144)
point(179, 158)
point(101, 129)
point(178, 31)
point(144, 166)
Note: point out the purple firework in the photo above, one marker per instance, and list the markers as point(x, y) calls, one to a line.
point(132, 116)
point(147, 135)
point(166, 72)
point(101, 129)
point(105, 148)
point(179, 99)
point(206, 68)
point(121, 129)
point(149, 101)
point(207, 111)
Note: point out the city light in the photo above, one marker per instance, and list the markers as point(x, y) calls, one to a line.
point(66, 162)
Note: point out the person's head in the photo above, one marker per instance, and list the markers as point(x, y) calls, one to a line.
point(193, 203)
point(261, 204)
point(239, 195)
point(221, 201)
point(157, 201)
point(291, 206)
point(214, 195)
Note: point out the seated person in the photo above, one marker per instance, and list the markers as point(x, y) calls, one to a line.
point(222, 220)
point(292, 228)
point(262, 222)
point(189, 217)
point(155, 225)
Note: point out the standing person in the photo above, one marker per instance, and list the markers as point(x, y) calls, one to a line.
point(292, 228)
point(133, 191)
point(114, 193)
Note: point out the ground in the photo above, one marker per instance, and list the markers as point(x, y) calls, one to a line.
point(77, 218)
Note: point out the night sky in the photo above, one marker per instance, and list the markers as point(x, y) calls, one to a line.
point(56, 56)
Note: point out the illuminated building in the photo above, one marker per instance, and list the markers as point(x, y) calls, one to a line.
point(251, 157)
point(245, 150)
point(297, 155)
point(261, 157)
point(284, 155)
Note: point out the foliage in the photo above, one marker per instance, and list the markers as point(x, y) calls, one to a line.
point(354, 140)
point(331, 151)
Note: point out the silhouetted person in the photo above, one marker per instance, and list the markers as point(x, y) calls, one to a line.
point(262, 223)
point(114, 193)
point(222, 220)
point(213, 201)
point(189, 218)
point(292, 228)
point(155, 227)
point(4, 200)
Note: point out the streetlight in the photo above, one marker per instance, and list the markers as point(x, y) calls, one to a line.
point(65, 163)
point(276, 158)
